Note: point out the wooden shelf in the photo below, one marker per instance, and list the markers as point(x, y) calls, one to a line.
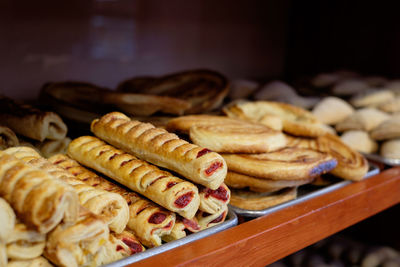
point(266, 239)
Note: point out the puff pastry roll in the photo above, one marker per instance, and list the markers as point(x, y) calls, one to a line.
point(149, 221)
point(31, 122)
point(24, 243)
point(39, 200)
point(207, 220)
point(181, 228)
point(212, 201)
point(7, 220)
point(7, 138)
point(166, 190)
point(81, 244)
point(161, 148)
point(111, 207)
point(36, 262)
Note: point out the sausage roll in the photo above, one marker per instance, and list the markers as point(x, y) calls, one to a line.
point(207, 220)
point(39, 200)
point(7, 220)
point(166, 190)
point(161, 148)
point(36, 262)
point(181, 228)
point(31, 122)
point(212, 201)
point(149, 221)
point(111, 207)
point(7, 138)
point(24, 243)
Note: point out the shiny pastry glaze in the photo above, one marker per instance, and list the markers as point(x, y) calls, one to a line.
point(213, 167)
point(183, 200)
point(221, 193)
point(203, 152)
point(157, 218)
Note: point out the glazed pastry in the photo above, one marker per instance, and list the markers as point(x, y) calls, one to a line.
point(365, 119)
point(24, 243)
point(7, 220)
point(242, 181)
point(38, 199)
point(388, 129)
point(161, 148)
point(212, 201)
point(7, 138)
point(285, 164)
point(332, 110)
point(30, 122)
point(259, 201)
point(207, 220)
point(391, 149)
point(149, 221)
point(111, 207)
point(390, 106)
point(296, 121)
point(372, 98)
point(36, 262)
point(360, 141)
point(80, 244)
point(181, 227)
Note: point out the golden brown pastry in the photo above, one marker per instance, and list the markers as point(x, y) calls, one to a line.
point(80, 244)
point(7, 220)
point(149, 221)
point(391, 149)
point(38, 199)
point(285, 164)
point(360, 141)
point(388, 129)
point(212, 201)
point(111, 207)
point(181, 227)
point(7, 138)
point(332, 110)
point(241, 181)
point(36, 262)
point(365, 119)
point(371, 98)
point(258, 201)
point(24, 243)
point(161, 148)
point(207, 220)
point(296, 121)
point(30, 122)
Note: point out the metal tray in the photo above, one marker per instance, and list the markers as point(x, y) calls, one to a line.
point(230, 221)
point(304, 193)
point(380, 159)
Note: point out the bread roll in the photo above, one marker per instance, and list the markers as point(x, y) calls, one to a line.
point(391, 149)
point(365, 119)
point(360, 141)
point(388, 129)
point(332, 110)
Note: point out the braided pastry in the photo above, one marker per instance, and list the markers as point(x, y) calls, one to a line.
point(39, 200)
point(7, 220)
point(111, 207)
point(161, 148)
point(166, 190)
point(207, 220)
point(148, 220)
point(212, 201)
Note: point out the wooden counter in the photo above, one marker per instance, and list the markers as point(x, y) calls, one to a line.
point(266, 239)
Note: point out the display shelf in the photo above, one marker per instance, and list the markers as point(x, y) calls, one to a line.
point(266, 239)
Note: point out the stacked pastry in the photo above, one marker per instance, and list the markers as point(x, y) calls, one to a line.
point(270, 148)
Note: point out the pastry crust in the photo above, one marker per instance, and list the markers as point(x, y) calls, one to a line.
point(388, 129)
point(360, 141)
point(285, 164)
point(162, 187)
point(123, 245)
point(7, 220)
point(149, 221)
point(161, 148)
point(365, 119)
point(3, 255)
point(31, 122)
point(39, 200)
point(49, 148)
point(242, 181)
point(212, 201)
point(391, 149)
point(7, 138)
point(36, 262)
point(296, 121)
point(258, 201)
point(207, 220)
point(181, 227)
point(332, 110)
point(111, 207)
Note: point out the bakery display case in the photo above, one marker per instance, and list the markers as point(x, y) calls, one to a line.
point(207, 74)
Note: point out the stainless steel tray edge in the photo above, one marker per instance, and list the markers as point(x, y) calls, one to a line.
point(379, 158)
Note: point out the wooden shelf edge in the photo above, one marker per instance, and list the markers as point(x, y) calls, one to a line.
point(266, 239)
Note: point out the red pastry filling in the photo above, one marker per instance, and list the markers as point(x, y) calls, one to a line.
point(183, 200)
point(218, 219)
point(203, 152)
point(170, 184)
point(215, 166)
point(133, 246)
point(113, 156)
point(190, 224)
point(157, 218)
point(221, 193)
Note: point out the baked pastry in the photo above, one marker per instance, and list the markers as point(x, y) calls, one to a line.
point(80, 244)
point(365, 119)
point(122, 245)
point(296, 121)
point(7, 220)
point(38, 199)
point(332, 110)
point(49, 148)
point(348, 87)
point(110, 207)
point(7, 138)
point(149, 221)
point(388, 129)
point(31, 122)
point(3, 255)
point(207, 220)
point(371, 98)
point(258, 201)
point(240, 89)
point(36, 262)
point(162, 187)
point(390, 106)
point(161, 148)
point(284, 164)
point(242, 181)
point(181, 228)
point(360, 141)
point(391, 149)
point(24, 243)
point(212, 201)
